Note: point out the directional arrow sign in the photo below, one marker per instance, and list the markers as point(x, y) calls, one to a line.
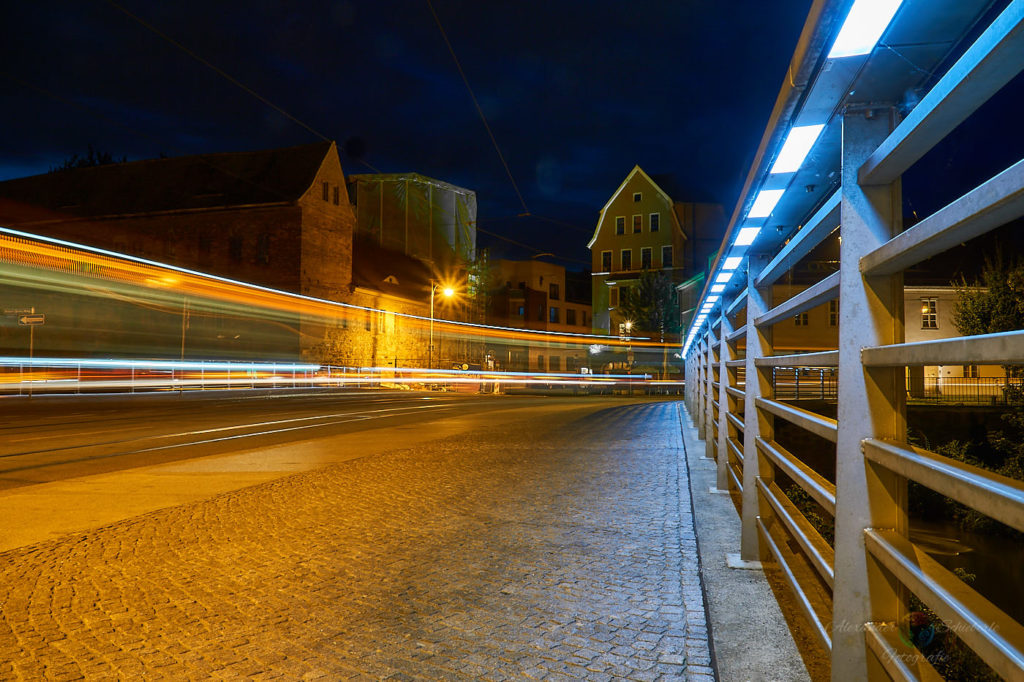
point(37, 318)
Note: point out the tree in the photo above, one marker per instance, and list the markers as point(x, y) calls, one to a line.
point(651, 304)
point(994, 303)
point(93, 158)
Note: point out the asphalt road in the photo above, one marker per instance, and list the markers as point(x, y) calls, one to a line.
point(51, 439)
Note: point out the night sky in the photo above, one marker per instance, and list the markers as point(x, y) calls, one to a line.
point(575, 93)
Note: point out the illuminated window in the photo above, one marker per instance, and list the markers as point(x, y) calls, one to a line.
point(620, 224)
point(606, 261)
point(971, 371)
point(638, 223)
point(553, 315)
point(553, 291)
point(655, 222)
point(645, 258)
point(637, 196)
point(666, 256)
point(833, 313)
point(627, 259)
point(326, 191)
point(522, 311)
point(801, 319)
point(570, 316)
point(929, 313)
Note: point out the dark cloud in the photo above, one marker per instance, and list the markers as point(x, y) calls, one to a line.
point(575, 93)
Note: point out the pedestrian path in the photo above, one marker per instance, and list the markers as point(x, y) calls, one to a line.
point(553, 548)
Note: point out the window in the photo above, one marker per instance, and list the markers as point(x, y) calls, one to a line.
point(540, 363)
point(833, 312)
point(971, 371)
point(553, 291)
point(263, 249)
point(235, 248)
point(929, 313)
point(556, 363)
point(638, 223)
point(606, 261)
point(522, 311)
point(368, 322)
point(645, 258)
point(801, 320)
point(570, 363)
point(627, 259)
point(553, 315)
point(337, 196)
point(620, 225)
point(327, 189)
point(637, 196)
point(655, 222)
point(540, 312)
point(613, 296)
point(666, 256)
point(522, 285)
point(570, 316)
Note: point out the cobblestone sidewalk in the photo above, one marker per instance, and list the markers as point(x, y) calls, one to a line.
point(547, 550)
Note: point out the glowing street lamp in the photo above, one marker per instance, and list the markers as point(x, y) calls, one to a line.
point(447, 292)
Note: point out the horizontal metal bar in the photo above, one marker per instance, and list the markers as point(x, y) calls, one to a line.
point(985, 208)
point(811, 297)
point(736, 421)
point(737, 451)
point(903, 662)
point(736, 334)
point(1004, 348)
point(828, 358)
point(735, 392)
point(737, 304)
point(805, 419)
point(998, 497)
point(715, 345)
point(987, 65)
point(802, 599)
point(813, 483)
point(817, 550)
point(736, 363)
point(735, 478)
point(814, 231)
point(994, 635)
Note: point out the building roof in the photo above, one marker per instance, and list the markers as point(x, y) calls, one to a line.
point(636, 169)
point(388, 271)
point(411, 177)
point(185, 182)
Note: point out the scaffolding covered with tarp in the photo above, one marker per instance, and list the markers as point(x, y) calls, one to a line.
point(419, 216)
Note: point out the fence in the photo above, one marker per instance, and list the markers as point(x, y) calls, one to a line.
point(854, 592)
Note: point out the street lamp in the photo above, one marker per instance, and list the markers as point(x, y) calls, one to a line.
point(447, 292)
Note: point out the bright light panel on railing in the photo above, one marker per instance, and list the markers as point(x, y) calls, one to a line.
point(717, 288)
point(765, 202)
point(712, 299)
point(746, 236)
point(723, 277)
point(798, 144)
point(864, 25)
point(732, 262)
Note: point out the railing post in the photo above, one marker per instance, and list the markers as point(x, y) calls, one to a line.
point(709, 436)
point(701, 411)
point(756, 422)
point(871, 403)
point(725, 427)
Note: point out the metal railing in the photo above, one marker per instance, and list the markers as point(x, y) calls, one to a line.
point(854, 593)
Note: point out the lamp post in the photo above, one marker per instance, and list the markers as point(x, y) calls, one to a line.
point(448, 292)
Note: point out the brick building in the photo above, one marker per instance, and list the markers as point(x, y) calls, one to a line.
point(539, 296)
point(279, 218)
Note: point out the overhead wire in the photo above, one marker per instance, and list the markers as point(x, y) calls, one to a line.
point(479, 110)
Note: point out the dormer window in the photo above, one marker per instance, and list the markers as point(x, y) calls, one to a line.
point(391, 279)
point(637, 196)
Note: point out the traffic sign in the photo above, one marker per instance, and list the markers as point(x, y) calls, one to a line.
point(36, 318)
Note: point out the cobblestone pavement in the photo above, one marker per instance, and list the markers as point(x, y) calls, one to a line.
point(550, 550)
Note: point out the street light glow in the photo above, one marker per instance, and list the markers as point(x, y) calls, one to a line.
point(448, 292)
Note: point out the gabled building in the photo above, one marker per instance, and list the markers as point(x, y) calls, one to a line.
point(642, 227)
